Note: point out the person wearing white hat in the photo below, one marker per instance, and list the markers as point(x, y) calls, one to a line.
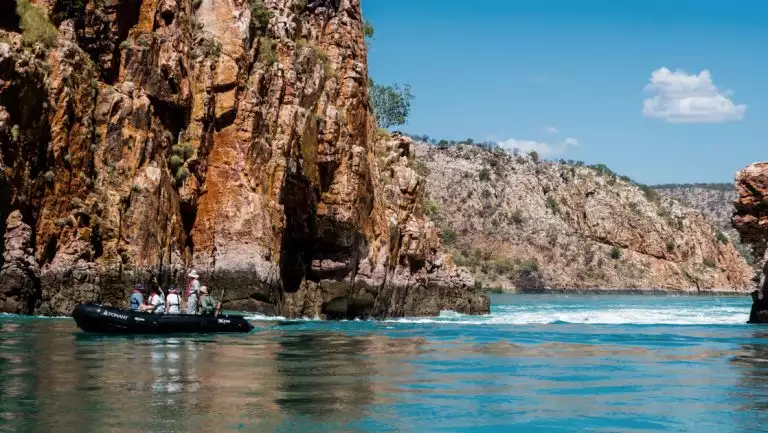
point(193, 292)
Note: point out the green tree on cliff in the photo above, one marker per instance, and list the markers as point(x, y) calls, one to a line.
point(391, 105)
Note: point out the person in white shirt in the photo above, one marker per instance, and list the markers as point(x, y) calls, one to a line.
point(156, 302)
point(173, 300)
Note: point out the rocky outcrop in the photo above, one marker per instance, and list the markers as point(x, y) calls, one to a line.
point(751, 210)
point(233, 137)
point(521, 224)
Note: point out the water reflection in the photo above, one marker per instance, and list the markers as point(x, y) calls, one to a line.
point(335, 363)
point(753, 363)
point(363, 377)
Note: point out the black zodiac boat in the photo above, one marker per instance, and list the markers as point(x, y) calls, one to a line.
point(98, 318)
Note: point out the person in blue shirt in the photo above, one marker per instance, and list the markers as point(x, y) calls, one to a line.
point(137, 297)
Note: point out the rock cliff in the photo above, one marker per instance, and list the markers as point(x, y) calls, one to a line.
point(233, 137)
point(751, 211)
point(523, 224)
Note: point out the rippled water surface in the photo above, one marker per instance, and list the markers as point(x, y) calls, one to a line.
point(538, 363)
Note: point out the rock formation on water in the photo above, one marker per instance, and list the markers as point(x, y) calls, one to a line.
point(751, 211)
point(521, 224)
point(229, 136)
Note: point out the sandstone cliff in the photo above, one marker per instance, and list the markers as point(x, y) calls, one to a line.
point(524, 224)
point(751, 211)
point(233, 137)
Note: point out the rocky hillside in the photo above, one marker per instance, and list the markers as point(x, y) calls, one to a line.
point(523, 224)
point(143, 138)
point(713, 200)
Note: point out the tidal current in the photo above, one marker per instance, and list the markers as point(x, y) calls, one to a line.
point(543, 363)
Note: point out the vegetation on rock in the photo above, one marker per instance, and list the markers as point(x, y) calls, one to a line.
point(35, 24)
point(391, 105)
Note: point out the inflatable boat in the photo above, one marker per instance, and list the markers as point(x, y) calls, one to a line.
point(98, 318)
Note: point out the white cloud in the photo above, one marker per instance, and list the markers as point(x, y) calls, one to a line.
point(551, 130)
point(686, 98)
point(542, 148)
point(570, 141)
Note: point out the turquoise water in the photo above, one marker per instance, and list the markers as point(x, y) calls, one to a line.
point(537, 363)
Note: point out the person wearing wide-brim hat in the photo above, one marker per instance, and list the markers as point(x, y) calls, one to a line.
point(193, 292)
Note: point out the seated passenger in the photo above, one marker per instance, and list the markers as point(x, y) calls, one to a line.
point(207, 303)
point(173, 300)
point(137, 297)
point(156, 302)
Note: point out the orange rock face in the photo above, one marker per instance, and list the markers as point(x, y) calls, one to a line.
point(751, 216)
point(163, 135)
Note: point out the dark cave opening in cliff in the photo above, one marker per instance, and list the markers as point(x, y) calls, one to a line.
point(173, 118)
point(50, 249)
point(9, 20)
point(188, 217)
point(96, 244)
point(296, 249)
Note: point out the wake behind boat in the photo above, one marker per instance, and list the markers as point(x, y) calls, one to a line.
point(98, 318)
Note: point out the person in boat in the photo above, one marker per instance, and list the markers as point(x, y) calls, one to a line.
point(156, 302)
point(137, 297)
point(207, 303)
point(193, 292)
point(173, 300)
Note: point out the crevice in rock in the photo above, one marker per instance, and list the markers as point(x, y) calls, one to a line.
point(5, 208)
point(9, 20)
point(300, 231)
point(51, 246)
point(127, 17)
point(96, 244)
point(188, 216)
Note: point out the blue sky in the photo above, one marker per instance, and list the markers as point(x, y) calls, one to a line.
point(507, 70)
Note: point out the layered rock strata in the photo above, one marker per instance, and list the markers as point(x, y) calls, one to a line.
point(750, 219)
point(233, 137)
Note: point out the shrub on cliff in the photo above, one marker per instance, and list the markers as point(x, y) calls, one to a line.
point(368, 29)
point(722, 237)
point(431, 208)
point(552, 204)
point(391, 105)
point(35, 25)
point(267, 53)
point(449, 236)
point(260, 15)
point(615, 253)
point(534, 155)
point(484, 174)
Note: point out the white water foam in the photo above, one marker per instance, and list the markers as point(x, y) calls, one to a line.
point(579, 313)
point(614, 316)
